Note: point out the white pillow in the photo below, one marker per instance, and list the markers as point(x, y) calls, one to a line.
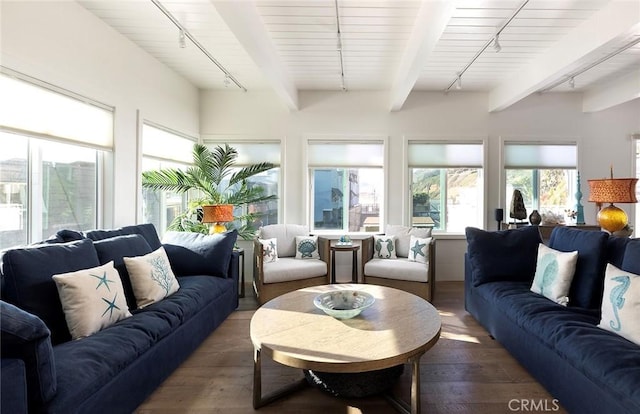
point(419, 250)
point(92, 299)
point(554, 273)
point(269, 249)
point(621, 303)
point(307, 247)
point(384, 247)
point(151, 277)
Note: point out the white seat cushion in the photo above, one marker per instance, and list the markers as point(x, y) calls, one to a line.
point(398, 269)
point(288, 268)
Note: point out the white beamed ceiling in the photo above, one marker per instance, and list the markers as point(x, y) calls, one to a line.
point(394, 45)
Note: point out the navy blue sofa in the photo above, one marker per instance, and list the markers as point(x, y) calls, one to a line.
point(117, 368)
point(586, 368)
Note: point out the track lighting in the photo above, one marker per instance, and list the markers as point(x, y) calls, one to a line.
point(496, 43)
point(182, 41)
point(572, 82)
point(459, 82)
point(226, 81)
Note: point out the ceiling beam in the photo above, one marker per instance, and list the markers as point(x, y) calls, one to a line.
point(619, 91)
point(245, 23)
point(430, 23)
point(617, 21)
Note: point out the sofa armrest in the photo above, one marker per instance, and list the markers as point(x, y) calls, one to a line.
point(13, 386)
point(258, 263)
point(323, 249)
point(367, 249)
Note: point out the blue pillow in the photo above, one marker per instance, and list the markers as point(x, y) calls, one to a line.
point(148, 231)
point(503, 255)
point(115, 248)
point(28, 284)
point(588, 282)
point(631, 261)
point(26, 337)
point(200, 254)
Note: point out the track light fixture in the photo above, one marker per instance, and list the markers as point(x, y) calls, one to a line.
point(226, 81)
point(496, 43)
point(339, 48)
point(182, 41)
point(459, 82)
point(572, 82)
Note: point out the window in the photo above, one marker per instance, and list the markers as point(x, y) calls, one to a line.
point(253, 152)
point(162, 148)
point(447, 185)
point(546, 176)
point(52, 148)
point(347, 185)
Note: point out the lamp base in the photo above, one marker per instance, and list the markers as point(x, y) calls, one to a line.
point(217, 228)
point(612, 218)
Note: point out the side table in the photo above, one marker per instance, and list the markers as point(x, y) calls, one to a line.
point(354, 263)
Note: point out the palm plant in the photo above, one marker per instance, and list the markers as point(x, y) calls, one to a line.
point(217, 181)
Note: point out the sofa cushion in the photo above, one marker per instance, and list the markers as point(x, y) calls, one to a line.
point(92, 299)
point(289, 268)
point(403, 236)
point(621, 303)
point(151, 277)
point(400, 268)
point(148, 231)
point(286, 235)
point(588, 281)
point(384, 247)
point(307, 247)
point(28, 284)
point(25, 336)
point(502, 255)
point(200, 254)
point(631, 261)
point(115, 249)
point(554, 272)
point(14, 392)
point(616, 247)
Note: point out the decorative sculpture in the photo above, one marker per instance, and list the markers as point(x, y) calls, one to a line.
point(579, 207)
point(517, 211)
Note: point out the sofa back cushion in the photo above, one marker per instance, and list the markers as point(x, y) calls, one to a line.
point(28, 284)
point(403, 236)
point(148, 231)
point(286, 235)
point(193, 254)
point(631, 261)
point(588, 281)
point(25, 336)
point(502, 255)
point(616, 247)
point(115, 249)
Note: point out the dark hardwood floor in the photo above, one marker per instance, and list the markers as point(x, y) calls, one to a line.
point(465, 372)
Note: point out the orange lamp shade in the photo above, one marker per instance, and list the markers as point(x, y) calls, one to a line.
point(217, 213)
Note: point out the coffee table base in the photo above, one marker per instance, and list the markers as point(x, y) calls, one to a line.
point(400, 405)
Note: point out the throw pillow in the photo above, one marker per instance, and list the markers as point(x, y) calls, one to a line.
point(307, 247)
point(502, 255)
point(384, 247)
point(151, 277)
point(200, 254)
point(403, 236)
point(554, 273)
point(92, 299)
point(269, 249)
point(419, 250)
point(621, 303)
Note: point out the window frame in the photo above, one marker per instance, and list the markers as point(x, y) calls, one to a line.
point(308, 206)
point(407, 195)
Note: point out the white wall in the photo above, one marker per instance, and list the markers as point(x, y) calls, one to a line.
point(603, 139)
point(60, 42)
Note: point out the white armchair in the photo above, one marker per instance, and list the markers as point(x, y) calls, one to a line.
point(276, 270)
point(417, 277)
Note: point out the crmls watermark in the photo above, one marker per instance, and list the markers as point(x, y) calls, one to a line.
point(531, 405)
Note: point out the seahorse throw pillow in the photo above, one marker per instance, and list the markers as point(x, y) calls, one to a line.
point(92, 299)
point(151, 277)
point(621, 303)
point(554, 273)
point(384, 247)
point(269, 250)
point(307, 247)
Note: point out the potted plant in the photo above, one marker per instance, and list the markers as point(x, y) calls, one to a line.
point(212, 176)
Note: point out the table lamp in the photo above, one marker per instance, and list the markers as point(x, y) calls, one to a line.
point(217, 214)
point(612, 190)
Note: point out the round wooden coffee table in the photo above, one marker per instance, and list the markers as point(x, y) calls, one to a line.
point(398, 328)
